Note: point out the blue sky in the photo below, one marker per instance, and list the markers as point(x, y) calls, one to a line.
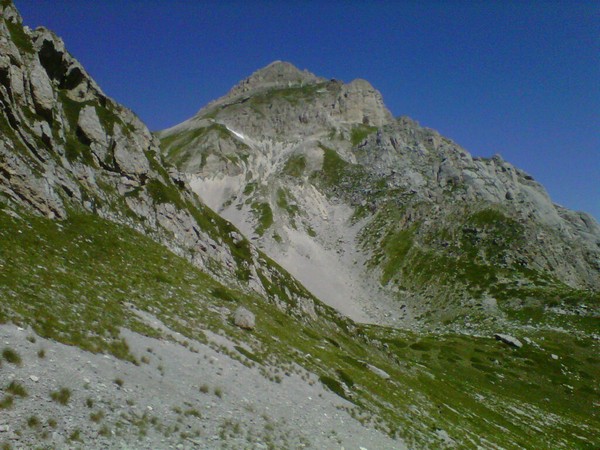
point(517, 78)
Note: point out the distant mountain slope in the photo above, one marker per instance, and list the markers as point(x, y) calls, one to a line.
point(381, 218)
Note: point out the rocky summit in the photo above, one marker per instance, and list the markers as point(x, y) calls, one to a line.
point(292, 267)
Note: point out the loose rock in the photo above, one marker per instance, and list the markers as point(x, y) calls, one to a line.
point(509, 340)
point(244, 318)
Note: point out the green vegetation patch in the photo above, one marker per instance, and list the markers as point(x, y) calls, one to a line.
point(178, 148)
point(396, 247)
point(11, 356)
point(284, 203)
point(293, 95)
point(264, 215)
point(17, 389)
point(80, 275)
point(360, 133)
point(62, 395)
point(249, 355)
point(334, 385)
point(19, 37)
point(337, 175)
point(165, 193)
point(295, 166)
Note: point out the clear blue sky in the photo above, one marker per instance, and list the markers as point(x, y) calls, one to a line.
point(517, 78)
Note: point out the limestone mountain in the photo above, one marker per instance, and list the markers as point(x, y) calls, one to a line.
point(384, 219)
point(134, 315)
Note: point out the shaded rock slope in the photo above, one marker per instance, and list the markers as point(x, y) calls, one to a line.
point(122, 286)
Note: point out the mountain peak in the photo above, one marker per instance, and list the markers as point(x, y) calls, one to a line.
point(274, 75)
point(282, 71)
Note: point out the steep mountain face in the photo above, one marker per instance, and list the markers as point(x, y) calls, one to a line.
point(134, 316)
point(67, 148)
point(385, 220)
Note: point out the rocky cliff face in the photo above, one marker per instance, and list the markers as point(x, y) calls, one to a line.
point(385, 220)
point(67, 148)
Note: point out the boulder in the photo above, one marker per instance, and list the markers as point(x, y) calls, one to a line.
point(244, 318)
point(509, 340)
point(237, 238)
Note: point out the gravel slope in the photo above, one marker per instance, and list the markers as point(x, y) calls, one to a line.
point(161, 404)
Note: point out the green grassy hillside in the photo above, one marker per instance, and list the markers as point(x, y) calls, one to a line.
point(76, 281)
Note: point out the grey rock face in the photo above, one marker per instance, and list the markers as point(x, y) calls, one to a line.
point(319, 107)
point(90, 128)
point(89, 124)
point(276, 75)
point(65, 72)
point(10, 13)
point(19, 182)
point(128, 157)
point(360, 103)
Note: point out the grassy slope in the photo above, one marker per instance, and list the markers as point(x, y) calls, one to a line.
point(73, 281)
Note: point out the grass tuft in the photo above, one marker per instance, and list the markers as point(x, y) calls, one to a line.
point(97, 416)
point(33, 422)
point(7, 402)
point(75, 436)
point(11, 356)
point(62, 396)
point(17, 389)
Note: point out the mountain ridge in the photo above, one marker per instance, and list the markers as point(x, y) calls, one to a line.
point(239, 157)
